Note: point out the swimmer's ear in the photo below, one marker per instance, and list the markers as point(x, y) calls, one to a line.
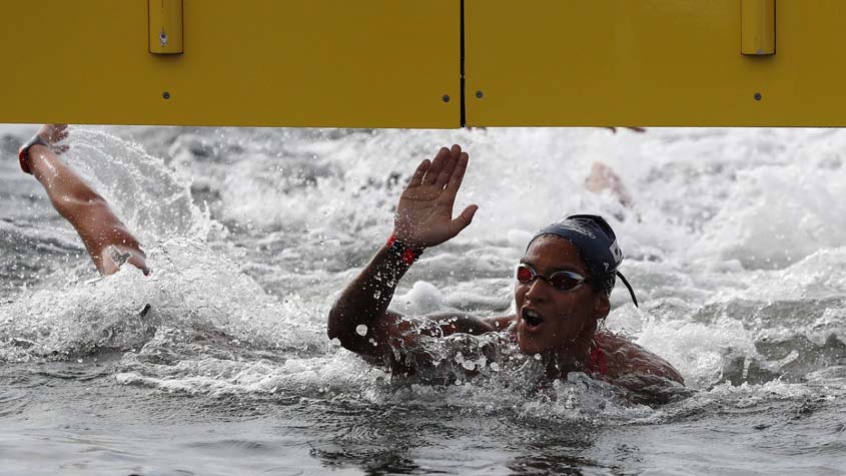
point(602, 306)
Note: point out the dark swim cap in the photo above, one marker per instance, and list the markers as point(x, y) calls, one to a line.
point(597, 245)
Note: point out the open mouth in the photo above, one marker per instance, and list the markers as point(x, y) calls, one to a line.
point(532, 318)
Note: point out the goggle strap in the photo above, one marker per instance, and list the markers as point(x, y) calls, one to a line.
point(631, 291)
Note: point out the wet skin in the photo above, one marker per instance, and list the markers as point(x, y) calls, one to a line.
point(569, 318)
point(108, 241)
point(562, 326)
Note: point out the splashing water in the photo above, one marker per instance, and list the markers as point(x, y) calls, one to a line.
point(733, 246)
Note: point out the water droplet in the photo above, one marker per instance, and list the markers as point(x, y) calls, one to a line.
point(469, 365)
point(361, 330)
point(537, 356)
point(495, 366)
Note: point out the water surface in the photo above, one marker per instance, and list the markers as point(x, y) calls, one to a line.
point(219, 364)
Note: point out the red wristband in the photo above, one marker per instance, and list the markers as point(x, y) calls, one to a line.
point(397, 247)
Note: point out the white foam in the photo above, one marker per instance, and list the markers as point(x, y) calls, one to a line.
point(721, 217)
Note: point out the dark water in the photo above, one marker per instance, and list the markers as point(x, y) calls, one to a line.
point(219, 363)
point(73, 419)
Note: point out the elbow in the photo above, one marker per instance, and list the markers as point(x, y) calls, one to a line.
point(71, 206)
point(341, 328)
point(332, 330)
point(335, 328)
point(82, 197)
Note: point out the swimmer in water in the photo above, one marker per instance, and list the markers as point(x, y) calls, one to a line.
point(562, 290)
point(560, 296)
point(109, 243)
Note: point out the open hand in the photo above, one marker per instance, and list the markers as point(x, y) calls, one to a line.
point(53, 134)
point(424, 213)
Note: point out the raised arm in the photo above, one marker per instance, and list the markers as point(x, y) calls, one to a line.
point(423, 218)
point(106, 238)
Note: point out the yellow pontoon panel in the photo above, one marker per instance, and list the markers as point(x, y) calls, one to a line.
point(364, 63)
point(399, 63)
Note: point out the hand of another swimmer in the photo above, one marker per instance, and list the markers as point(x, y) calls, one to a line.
point(54, 134)
point(424, 213)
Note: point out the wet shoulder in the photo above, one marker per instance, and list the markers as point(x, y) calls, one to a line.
point(625, 358)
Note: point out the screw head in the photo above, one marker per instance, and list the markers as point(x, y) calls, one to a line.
point(445, 98)
point(758, 96)
point(166, 95)
point(480, 94)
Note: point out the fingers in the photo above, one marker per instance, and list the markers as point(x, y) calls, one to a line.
point(417, 178)
point(449, 166)
point(462, 221)
point(458, 174)
point(54, 133)
point(437, 165)
point(455, 151)
point(443, 169)
point(62, 132)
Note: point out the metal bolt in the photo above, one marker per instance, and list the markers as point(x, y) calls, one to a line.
point(166, 95)
point(446, 98)
point(480, 94)
point(758, 96)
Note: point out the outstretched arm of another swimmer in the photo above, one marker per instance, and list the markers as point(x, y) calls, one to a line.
point(106, 238)
point(360, 318)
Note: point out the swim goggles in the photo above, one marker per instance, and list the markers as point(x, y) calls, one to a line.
point(564, 281)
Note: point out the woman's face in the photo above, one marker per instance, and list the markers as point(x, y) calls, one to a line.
point(548, 318)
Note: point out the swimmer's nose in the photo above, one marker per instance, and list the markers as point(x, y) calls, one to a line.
point(538, 290)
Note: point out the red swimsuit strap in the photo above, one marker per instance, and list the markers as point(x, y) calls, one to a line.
point(596, 361)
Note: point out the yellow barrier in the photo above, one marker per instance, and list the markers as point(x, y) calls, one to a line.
point(365, 63)
point(166, 27)
point(398, 63)
point(652, 63)
point(758, 32)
